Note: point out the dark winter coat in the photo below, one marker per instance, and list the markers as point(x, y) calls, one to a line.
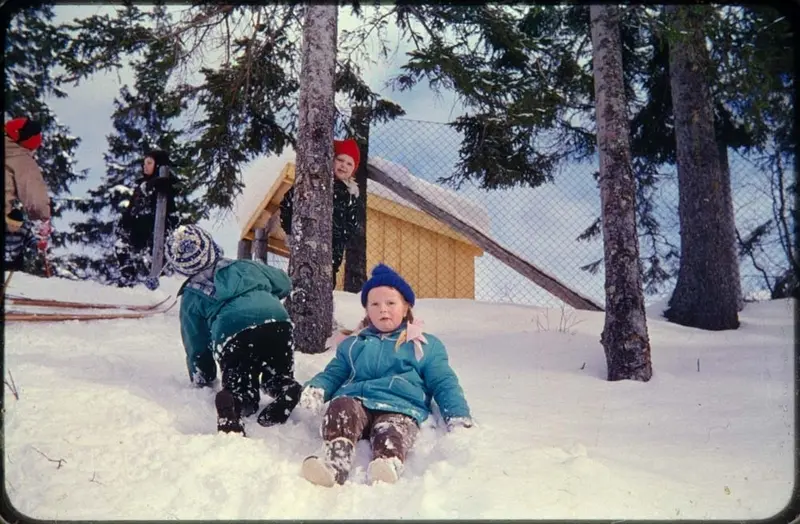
point(225, 299)
point(138, 219)
point(385, 376)
point(345, 220)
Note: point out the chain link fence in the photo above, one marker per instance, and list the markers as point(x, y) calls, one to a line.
point(539, 226)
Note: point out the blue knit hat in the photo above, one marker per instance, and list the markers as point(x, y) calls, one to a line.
point(190, 249)
point(383, 275)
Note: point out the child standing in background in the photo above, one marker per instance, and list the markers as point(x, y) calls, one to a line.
point(27, 202)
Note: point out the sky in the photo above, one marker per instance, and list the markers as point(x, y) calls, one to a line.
point(106, 425)
point(541, 224)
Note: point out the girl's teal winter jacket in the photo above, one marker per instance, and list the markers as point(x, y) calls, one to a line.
point(370, 367)
point(225, 299)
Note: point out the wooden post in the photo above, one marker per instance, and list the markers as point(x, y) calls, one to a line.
point(260, 244)
point(159, 229)
point(355, 262)
point(244, 249)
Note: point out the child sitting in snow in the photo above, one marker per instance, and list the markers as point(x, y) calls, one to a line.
point(380, 385)
point(231, 310)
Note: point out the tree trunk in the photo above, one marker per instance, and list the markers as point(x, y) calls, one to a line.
point(355, 265)
point(706, 293)
point(624, 338)
point(311, 302)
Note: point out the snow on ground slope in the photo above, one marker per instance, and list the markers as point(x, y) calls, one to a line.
point(108, 427)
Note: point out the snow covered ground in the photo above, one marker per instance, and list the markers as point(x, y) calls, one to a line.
point(108, 427)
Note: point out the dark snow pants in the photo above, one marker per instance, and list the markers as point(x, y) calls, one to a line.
point(262, 354)
point(390, 434)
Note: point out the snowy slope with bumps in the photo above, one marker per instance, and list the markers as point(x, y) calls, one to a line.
point(107, 426)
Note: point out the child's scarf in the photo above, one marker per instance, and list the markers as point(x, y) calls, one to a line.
point(412, 333)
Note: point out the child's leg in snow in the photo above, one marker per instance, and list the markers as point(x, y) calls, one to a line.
point(342, 425)
point(393, 435)
point(275, 353)
point(345, 417)
point(237, 364)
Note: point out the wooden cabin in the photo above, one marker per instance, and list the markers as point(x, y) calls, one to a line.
point(434, 259)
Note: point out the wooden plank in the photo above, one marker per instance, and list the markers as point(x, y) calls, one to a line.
point(414, 216)
point(391, 241)
point(464, 273)
point(544, 280)
point(374, 240)
point(445, 266)
point(409, 253)
point(427, 263)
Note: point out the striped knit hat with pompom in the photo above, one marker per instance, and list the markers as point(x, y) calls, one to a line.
point(190, 250)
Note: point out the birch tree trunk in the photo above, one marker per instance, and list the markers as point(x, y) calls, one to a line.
point(706, 293)
point(625, 339)
point(311, 303)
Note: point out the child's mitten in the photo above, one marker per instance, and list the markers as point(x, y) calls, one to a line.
point(458, 422)
point(151, 283)
point(312, 399)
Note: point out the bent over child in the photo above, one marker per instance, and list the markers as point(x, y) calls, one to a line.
point(231, 312)
point(380, 385)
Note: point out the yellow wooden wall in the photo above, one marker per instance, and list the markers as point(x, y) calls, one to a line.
point(436, 265)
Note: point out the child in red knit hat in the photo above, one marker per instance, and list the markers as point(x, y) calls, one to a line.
point(345, 198)
point(27, 203)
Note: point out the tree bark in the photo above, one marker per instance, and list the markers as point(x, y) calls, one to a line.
point(706, 292)
point(625, 339)
point(311, 301)
point(355, 262)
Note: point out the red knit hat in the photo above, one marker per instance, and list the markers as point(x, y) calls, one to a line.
point(347, 147)
point(25, 132)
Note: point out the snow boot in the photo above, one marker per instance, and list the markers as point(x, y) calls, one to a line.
point(248, 408)
point(385, 470)
point(334, 465)
point(228, 413)
point(278, 411)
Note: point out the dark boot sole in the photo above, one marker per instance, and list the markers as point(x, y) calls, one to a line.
point(228, 420)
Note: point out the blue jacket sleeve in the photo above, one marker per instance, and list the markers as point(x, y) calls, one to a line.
point(336, 372)
point(196, 337)
point(441, 381)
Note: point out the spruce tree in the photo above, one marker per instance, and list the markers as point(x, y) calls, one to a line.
point(32, 53)
point(147, 115)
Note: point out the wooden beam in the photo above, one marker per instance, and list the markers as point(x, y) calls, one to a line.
point(521, 266)
point(273, 194)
